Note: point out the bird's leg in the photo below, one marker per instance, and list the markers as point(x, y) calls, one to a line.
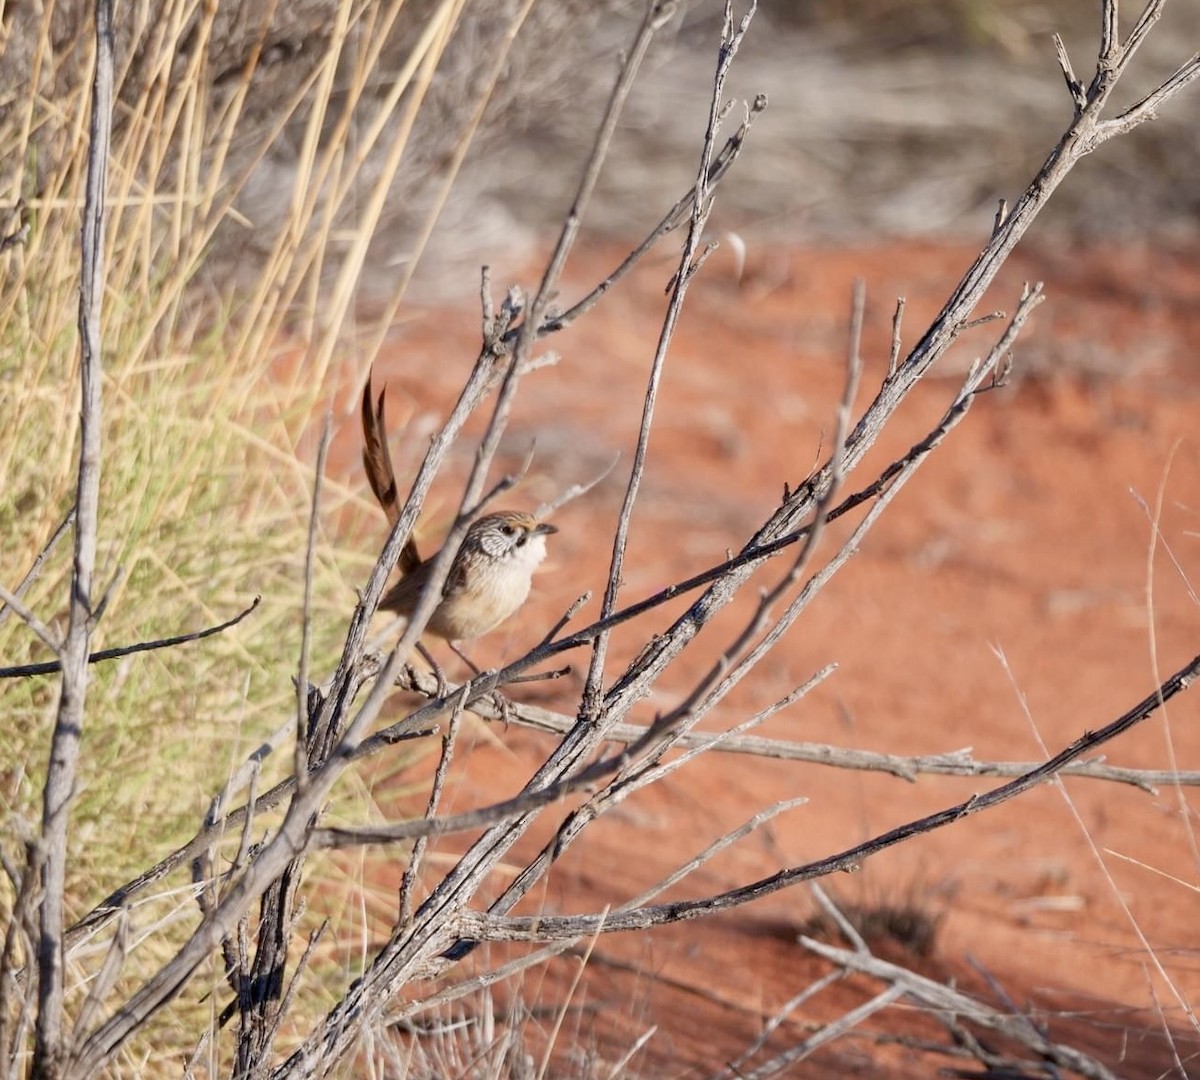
point(505, 706)
point(501, 701)
point(443, 688)
point(464, 658)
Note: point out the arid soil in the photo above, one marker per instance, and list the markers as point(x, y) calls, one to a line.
point(1010, 599)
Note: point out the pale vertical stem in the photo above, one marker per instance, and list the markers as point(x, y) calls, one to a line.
point(64, 747)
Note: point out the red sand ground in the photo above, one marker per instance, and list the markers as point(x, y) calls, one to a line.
point(1026, 535)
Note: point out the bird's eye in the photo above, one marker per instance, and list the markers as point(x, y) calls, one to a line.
point(508, 530)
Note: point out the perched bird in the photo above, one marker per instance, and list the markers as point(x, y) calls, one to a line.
point(491, 573)
point(489, 578)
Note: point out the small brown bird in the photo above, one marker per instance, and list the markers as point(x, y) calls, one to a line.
point(491, 573)
point(489, 578)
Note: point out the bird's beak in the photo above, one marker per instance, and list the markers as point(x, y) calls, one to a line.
point(544, 528)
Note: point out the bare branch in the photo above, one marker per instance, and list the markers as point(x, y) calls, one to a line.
point(1151, 13)
point(310, 558)
point(936, 996)
point(408, 880)
point(1074, 86)
point(13, 603)
point(35, 570)
point(676, 216)
point(68, 728)
point(1109, 29)
point(1147, 107)
point(49, 667)
point(903, 767)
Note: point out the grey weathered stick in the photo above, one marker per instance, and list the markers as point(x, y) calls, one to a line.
point(300, 757)
point(35, 570)
point(408, 880)
point(13, 603)
point(68, 728)
point(827, 1033)
point(930, 994)
point(904, 767)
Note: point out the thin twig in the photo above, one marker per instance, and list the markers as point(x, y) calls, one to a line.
point(933, 995)
point(735, 1069)
point(1109, 29)
point(676, 216)
point(835, 1029)
point(310, 558)
point(40, 629)
point(575, 491)
point(897, 321)
point(408, 880)
point(903, 767)
point(35, 570)
point(835, 913)
point(105, 979)
point(712, 850)
point(49, 667)
point(1074, 86)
